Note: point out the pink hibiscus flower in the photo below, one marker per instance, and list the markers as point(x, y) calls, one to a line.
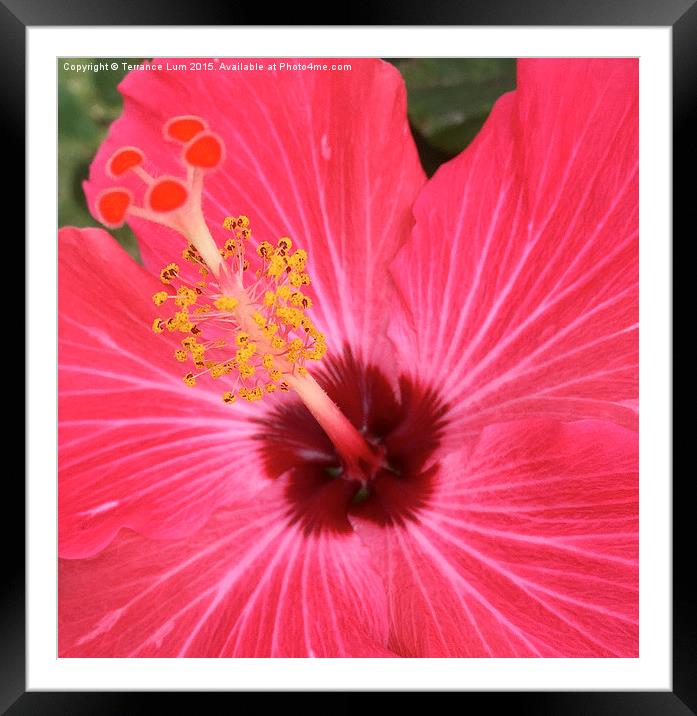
point(456, 477)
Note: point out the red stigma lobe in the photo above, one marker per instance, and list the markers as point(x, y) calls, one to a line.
point(112, 206)
point(183, 129)
point(124, 159)
point(205, 151)
point(166, 195)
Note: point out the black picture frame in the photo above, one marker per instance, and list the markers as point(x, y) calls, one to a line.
point(681, 15)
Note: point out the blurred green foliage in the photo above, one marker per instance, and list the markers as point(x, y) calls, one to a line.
point(88, 102)
point(448, 101)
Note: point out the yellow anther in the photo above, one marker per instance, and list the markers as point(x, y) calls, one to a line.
point(269, 298)
point(180, 322)
point(169, 272)
point(270, 387)
point(185, 297)
point(247, 371)
point(290, 316)
point(251, 395)
point(298, 298)
point(217, 370)
point(303, 370)
point(226, 303)
point(160, 297)
point(242, 338)
point(275, 375)
point(259, 319)
point(229, 397)
point(283, 292)
point(180, 355)
point(267, 361)
point(278, 343)
point(265, 249)
point(317, 352)
point(190, 253)
point(298, 279)
point(247, 350)
point(230, 223)
point(158, 325)
point(298, 259)
point(270, 330)
point(276, 267)
point(243, 221)
point(284, 244)
point(189, 380)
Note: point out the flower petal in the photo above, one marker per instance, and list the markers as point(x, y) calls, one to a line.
point(326, 158)
point(522, 276)
point(249, 584)
point(529, 547)
point(137, 447)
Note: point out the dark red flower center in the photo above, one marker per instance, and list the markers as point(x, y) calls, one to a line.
point(403, 423)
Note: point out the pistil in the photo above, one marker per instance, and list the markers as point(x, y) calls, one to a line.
point(253, 333)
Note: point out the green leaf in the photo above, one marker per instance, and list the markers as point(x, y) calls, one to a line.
point(87, 104)
point(449, 99)
point(73, 121)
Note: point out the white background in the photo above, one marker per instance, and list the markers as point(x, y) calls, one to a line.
point(652, 670)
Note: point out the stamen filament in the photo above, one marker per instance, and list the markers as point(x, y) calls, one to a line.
point(194, 226)
point(360, 459)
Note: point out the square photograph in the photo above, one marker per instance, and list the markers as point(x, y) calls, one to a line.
point(348, 357)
